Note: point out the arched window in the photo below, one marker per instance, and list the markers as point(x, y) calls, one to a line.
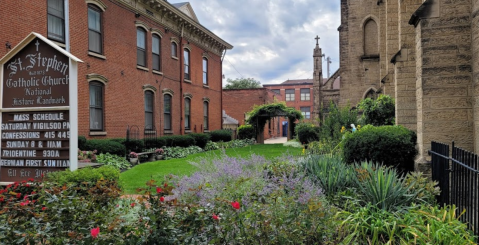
point(174, 48)
point(96, 106)
point(167, 111)
point(149, 96)
point(371, 36)
point(95, 36)
point(186, 62)
point(156, 52)
point(187, 113)
point(141, 46)
point(205, 116)
point(205, 71)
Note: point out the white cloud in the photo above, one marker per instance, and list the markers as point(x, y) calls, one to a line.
point(273, 39)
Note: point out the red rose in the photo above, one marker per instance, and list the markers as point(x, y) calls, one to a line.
point(44, 208)
point(19, 195)
point(158, 190)
point(94, 232)
point(235, 205)
point(215, 217)
point(165, 185)
point(162, 199)
point(133, 204)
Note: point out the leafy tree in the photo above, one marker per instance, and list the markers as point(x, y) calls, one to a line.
point(335, 119)
point(242, 83)
point(378, 112)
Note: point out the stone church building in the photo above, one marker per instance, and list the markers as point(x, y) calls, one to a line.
point(423, 53)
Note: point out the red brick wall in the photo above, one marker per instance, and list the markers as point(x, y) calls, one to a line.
point(237, 102)
point(124, 93)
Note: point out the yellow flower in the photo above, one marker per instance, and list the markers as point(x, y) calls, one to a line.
point(359, 127)
point(303, 151)
point(343, 129)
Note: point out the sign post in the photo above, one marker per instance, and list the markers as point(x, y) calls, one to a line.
point(39, 110)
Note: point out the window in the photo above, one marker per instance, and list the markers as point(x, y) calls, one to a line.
point(174, 49)
point(289, 94)
point(305, 94)
point(155, 49)
point(94, 29)
point(96, 106)
point(167, 111)
point(306, 112)
point(187, 113)
point(187, 64)
point(149, 110)
point(205, 71)
point(276, 91)
point(140, 46)
point(205, 115)
point(56, 20)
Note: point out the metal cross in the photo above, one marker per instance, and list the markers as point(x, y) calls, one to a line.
point(37, 43)
point(317, 39)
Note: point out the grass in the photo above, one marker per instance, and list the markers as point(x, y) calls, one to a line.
point(137, 177)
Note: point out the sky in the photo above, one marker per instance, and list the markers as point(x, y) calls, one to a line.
point(273, 39)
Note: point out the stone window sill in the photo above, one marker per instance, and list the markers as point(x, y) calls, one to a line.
point(205, 86)
point(96, 55)
point(175, 58)
point(98, 133)
point(158, 72)
point(142, 68)
point(187, 81)
point(168, 131)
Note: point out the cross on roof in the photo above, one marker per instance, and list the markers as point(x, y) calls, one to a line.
point(317, 39)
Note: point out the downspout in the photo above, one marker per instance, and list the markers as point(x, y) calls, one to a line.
point(182, 77)
point(67, 26)
point(221, 88)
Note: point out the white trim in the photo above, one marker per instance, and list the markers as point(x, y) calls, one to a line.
point(142, 68)
point(97, 3)
point(73, 90)
point(96, 55)
point(98, 133)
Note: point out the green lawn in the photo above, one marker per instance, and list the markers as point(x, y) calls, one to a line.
point(140, 174)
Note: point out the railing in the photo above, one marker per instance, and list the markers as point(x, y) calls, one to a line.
point(458, 178)
point(133, 134)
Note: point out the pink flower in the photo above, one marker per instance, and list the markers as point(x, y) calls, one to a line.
point(94, 232)
point(215, 217)
point(158, 190)
point(133, 204)
point(162, 199)
point(19, 195)
point(235, 205)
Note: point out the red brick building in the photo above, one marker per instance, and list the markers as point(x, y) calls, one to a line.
point(147, 62)
point(297, 94)
point(237, 102)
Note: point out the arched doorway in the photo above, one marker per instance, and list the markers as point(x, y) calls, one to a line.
point(261, 114)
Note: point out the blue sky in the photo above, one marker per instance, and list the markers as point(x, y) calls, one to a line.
point(273, 39)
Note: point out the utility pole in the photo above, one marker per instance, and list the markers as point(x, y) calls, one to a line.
point(328, 61)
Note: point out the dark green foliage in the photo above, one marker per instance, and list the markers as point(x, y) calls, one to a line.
point(179, 140)
point(155, 142)
point(221, 135)
point(388, 145)
point(242, 83)
point(306, 132)
point(105, 146)
point(134, 145)
point(335, 119)
point(90, 175)
point(200, 139)
point(261, 114)
point(378, 112)
point(246, 132)
point(81, 142)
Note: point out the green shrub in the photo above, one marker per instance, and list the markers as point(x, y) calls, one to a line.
point(105, 146)
point(113, 160)
point(134, 145)
point(179, 140)
point(246, 132)
point(378, 112)
point(306, 132)
point(211, 146)
point(200, 139)
point(221, 135)
point(335, 119)
point(389, 145)
point(90, 175)
point(81, 142)
point(155, 142)
point(180, 152)
point(323, 147)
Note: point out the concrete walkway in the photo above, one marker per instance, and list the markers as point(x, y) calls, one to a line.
point(277, 140)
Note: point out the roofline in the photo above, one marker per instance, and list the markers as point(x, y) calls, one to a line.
point(30, 37)
point(190, 21)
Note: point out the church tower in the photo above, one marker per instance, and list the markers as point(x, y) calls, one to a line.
point(317, 79)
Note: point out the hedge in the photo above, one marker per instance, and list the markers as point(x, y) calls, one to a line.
point(81, 142)
point(179, 140)
point(307, 132)
point(200, 139)
point(388, 145)
point(221, 135)
point(246, 132)
point(105, 146)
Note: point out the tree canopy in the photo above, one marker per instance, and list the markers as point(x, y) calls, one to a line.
point(262, 113)
point(242, 83)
